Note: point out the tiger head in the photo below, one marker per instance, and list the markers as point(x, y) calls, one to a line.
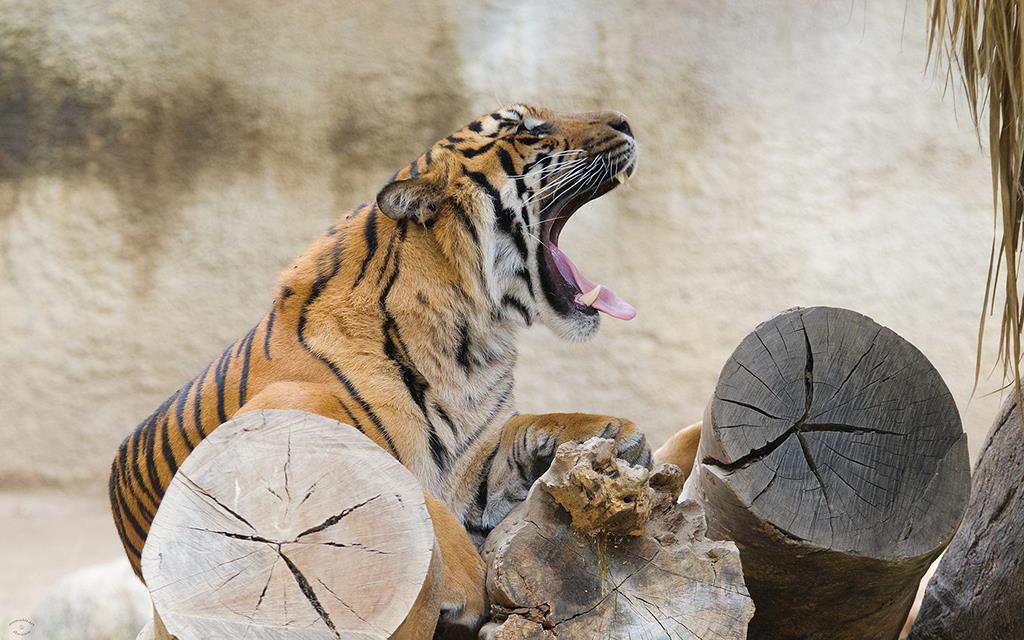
point(497, 195)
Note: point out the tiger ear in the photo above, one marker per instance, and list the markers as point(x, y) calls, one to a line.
point(415, 198)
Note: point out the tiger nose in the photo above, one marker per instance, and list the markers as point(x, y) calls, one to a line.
point(618, 122)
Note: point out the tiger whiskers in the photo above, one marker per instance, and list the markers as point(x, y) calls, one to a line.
point(594, 171)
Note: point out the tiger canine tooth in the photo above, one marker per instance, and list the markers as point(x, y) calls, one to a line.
point(588, 298)
point(621, 177)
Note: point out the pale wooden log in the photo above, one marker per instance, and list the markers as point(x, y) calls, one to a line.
point(288, 525)
point(978, 587)
point(833, 455)
point(602, 550)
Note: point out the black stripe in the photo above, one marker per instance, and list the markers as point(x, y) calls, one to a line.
point(352, 418)
point(149, 451)
point(370, 233)
point(414, 168)
point(516, 231)
point(501, 402)
point(270, 329)
point(521, 190)
point(482, 181)
point(197, 403)
point(390, 283)
point(462, 355)
point(314, 293)
point(114, 506)
point(444, 416)
point(243, 380)
point(524, 274)
point(481, 490)
point(179, 413)
point(510, 301)
point(510, 170)
point(124, 479)
point(387, 259)
point(437, 450)
point(168, 453)
point(366, 409)
point(504, 216)
point(136, 472)
point(218, 376)
point(397, 351)
point(428, 158)
point(475, 126)
point(463, 217)
point(472, 153)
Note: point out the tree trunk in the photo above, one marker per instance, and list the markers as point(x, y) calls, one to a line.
point(832, 454)
point(602, 550)
point(288, 524)
point(978, 588)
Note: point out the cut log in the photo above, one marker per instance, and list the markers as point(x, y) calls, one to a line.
point(284, 524)
point(978, 588)
point(833, 455)
point(601, 549)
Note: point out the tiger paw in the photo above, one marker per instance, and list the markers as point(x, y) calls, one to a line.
point(630, 443)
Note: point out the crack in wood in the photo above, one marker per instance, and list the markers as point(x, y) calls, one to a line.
point(347, 605)
point(203, 492)
point(335, 519)
point(238, 536)
point(307, 591)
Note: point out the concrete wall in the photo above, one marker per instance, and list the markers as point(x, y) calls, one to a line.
point(160, 163)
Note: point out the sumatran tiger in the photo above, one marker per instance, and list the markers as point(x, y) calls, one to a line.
point(401, 321)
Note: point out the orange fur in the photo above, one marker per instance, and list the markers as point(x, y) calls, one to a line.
point(680, 449)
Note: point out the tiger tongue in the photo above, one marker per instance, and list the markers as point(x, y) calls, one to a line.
point(592, 295)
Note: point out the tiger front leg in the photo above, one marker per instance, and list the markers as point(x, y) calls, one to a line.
point(528, 444)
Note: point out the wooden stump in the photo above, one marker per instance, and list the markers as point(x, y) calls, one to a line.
point(601, 549)
point(284, 524)
point(978, 588)
point(832, 453)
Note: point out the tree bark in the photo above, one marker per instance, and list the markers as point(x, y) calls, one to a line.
point(601, 549)
point(833, 455)
point(978, 588)
point(288, 524)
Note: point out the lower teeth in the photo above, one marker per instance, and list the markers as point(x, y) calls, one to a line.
point(587, 299)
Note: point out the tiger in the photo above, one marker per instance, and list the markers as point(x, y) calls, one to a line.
point(401, 321)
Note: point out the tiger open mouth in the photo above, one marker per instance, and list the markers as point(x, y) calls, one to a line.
point(565, 286)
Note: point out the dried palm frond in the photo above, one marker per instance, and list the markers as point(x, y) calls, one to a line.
point(982, 41)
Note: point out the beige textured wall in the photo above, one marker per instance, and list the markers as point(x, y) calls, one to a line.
point(160, 163)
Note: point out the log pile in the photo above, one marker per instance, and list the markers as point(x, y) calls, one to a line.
point(830, 470)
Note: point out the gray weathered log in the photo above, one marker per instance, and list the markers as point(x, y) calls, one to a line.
point(978, 588)
point(602, 550)
point(833, 455)
point(285, 524)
